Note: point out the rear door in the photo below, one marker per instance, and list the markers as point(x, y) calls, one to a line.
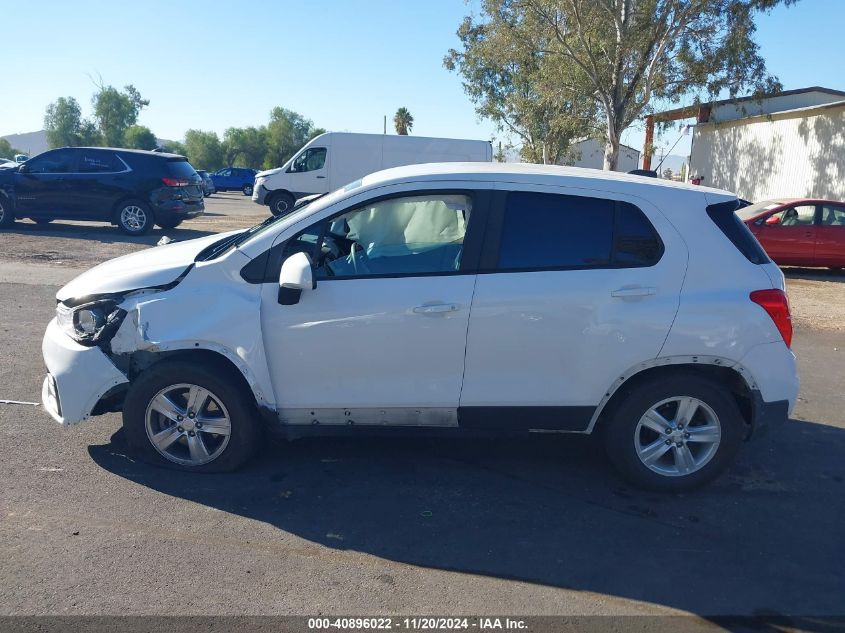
point(41, 189)
point(830, 236)
point(98, 181)
point(789, 235)
point(574, 288)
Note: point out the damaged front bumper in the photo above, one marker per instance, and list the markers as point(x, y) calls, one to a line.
point(78, 376)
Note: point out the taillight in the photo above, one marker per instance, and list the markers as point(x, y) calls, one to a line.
point(776, 305)
point(175, 182)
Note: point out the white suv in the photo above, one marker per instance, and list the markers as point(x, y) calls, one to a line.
point(443, 298)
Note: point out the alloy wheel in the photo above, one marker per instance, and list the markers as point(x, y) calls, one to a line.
point(133, 218)
point(188, 425)
point(677, 436)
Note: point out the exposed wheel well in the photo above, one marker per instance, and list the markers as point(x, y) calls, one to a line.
point(137, 362)
point(725, 376)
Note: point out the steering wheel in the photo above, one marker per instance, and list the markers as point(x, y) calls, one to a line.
point(358, 258)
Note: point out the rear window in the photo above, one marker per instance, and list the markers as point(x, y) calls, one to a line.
point(180, 168)
point(724, 216)
point(551, 231)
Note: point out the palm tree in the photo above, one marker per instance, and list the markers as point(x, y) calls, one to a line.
point(403, 121)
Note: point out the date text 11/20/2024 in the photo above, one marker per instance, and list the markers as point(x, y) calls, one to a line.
point(416, 624)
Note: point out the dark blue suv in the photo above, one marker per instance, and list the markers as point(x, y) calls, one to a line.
point(234, 179)
point(133, 189)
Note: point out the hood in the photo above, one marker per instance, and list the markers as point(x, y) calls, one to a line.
point(148, 268)
point(269, 172)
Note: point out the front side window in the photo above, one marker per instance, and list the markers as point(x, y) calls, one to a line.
point(802, 215)
point(551, 231)
point(92, 162)
point(58, 162)
point(312, 159)
point(414, 235)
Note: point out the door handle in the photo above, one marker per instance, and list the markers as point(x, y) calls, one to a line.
point(437, 308)
point(639, 291)
point(320, 176)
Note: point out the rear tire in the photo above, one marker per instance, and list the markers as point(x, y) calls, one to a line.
point(133, 217)
point(281, 204)
point(247, 190)
point(647, 455)
point(169, 224)
point(7, 214)
point(187, 443)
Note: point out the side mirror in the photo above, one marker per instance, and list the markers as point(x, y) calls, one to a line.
point(772, 220)
point(297, 274)
point(23, 169)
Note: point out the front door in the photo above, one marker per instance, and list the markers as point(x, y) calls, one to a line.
point(579, 289)
point(309, 172)
point(789, 235)
point(380, 340)
point(41, 184)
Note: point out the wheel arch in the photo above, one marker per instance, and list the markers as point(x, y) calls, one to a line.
point(140, 361)
point(732, 375)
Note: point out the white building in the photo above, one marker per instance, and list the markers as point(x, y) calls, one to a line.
point(590, 153)
point(788, 145)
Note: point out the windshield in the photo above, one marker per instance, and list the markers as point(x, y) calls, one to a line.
point(746, 213)
point(221, 246)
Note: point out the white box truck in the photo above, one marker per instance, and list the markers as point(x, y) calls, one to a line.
point(334, 159)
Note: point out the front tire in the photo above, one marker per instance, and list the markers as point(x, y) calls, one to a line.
point(191, 417)
point(281, 204)
point(247, 190)
point(133, 217)
point(7, 214)
point(674, 434)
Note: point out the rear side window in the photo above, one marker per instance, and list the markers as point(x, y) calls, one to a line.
point(180, 169)
point(550, 231)
point(724, 216)
point(95, 162)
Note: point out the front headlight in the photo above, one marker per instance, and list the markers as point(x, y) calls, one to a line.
point(90, 323)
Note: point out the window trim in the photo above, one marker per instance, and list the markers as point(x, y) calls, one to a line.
point(473, 238)
point(493, 241)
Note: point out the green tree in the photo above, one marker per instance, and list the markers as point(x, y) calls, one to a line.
point(65, 126)
point(512, 86)
point(175, 147)
point(203, 149)
point(287, 131)
point(403, 121)
point(116, 111)
point(622, 54)
point(6, 149)
point(245, 146)
point(139, 137)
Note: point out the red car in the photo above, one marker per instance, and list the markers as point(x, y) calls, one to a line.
point(799, 232)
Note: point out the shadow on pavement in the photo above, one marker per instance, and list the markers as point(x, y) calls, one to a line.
point(763, 540)
point(814, 274)
point(104, 233)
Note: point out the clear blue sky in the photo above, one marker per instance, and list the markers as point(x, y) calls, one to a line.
point(344, 64)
